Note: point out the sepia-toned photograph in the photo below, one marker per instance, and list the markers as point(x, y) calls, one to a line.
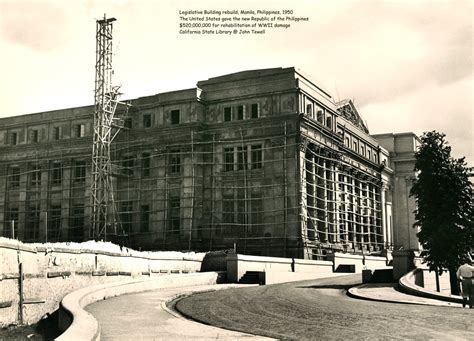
point(236, 169)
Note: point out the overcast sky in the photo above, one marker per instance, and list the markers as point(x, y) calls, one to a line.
point(407, 64)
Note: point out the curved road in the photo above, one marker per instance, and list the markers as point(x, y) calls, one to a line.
point(320, 309)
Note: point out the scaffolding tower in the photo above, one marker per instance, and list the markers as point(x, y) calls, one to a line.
point(106, 126)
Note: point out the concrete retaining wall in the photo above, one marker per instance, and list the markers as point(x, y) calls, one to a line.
point(360, 262)
point(408, 284)
point(50, 272)
point(80, 325)
point(238, 265)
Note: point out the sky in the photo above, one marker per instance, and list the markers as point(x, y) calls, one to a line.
point(406, 64)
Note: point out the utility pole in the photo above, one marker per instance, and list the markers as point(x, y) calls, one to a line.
point(106, 127)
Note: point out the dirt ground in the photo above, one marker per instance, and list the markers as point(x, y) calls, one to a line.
point(320, 309)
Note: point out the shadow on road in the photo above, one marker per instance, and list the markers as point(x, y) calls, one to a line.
point(328, 286)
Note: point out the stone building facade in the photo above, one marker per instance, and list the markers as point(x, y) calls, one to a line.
point(264, 161)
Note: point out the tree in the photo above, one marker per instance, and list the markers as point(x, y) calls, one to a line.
point(444, 213)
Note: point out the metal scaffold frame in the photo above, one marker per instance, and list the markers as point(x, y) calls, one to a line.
point(103, 211)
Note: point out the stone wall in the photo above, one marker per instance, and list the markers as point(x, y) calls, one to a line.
point(46, 273)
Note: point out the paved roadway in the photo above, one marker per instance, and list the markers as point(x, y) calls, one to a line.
point(320, 309)
point(144, 316)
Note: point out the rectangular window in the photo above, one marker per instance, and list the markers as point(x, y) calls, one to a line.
point(56, 133)
point(309, 110)
point(144, 218)
point(228, 159)
point(256, 156)
point(145, 164)
point(241, 211)
point(146, 121)
point(241, 158)
point(175, 162)
point(128, 165)
point(319, 114)
point(256, 215)
point(175, 215)
point(54, 223)
point(77, 223)
point(32, 223)
point(240, 112)
point(79, 130)
point(255, 112)
point(228, 213)
point(174, 116)
point(126, 216)
point(227, 114)
point(14, 139)
point(11, 222)
point(35, 176)
point(127, 123)
point(355, 145)
point(369, 154)
point(34, 136)
point(80, 171)
point(14, 180)
point(57, 173)
point(329, 122)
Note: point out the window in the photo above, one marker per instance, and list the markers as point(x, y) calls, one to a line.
point(228, 159)
point(14, 177)
point(126, 216)
point(174, 116)
point(255, 110)
point(145, 164)
point(241, 211)
point(14, 138)
point(127, 123)
point(32, 224)
point(174, 216)
point(127, 165)
point(175, 162)
point(54, 223)
point(362, 150)
point(256, 156)
point(144, 218)
point(228, 210)
point(57, 173)
point(241, 158)
point(329, 122)
point(319, 114)
point(11, 226)
point(369, 155)
point(227, 114)
point(146, 121)
point(347, 143)
point(256, 214)
point(79, 130)
point(80, 171)
point(77, 223)
point(35, 176)
point(56, 133)
point(240, 112)
point(355, 145)
point(309, 109)
point(34, 137)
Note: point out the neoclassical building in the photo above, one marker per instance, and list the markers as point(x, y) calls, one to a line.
point(265, 161)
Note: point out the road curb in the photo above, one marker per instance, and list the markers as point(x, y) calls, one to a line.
point(354, 292)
